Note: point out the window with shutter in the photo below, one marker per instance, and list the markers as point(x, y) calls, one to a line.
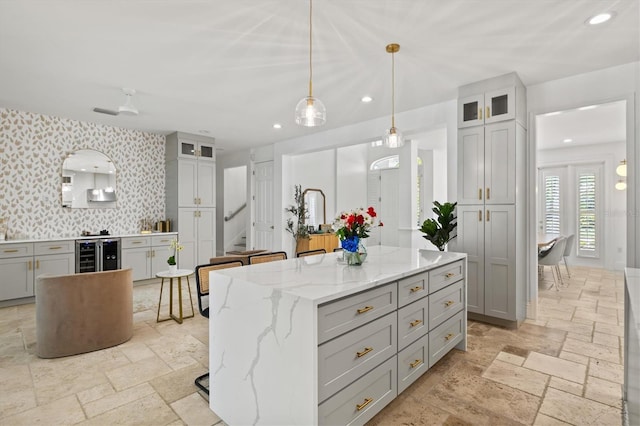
point(552, 204)
point(588, 220)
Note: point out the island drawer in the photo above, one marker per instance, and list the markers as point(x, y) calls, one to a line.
point(413, 288)
point(346, 358)
point(54, 247)
point(413, 322)
point(441, 277)
point(444, 303)
point(444, 337)
point(16, 250)
point(413, 361)
point(360, 401)
point(341, 316)
point(133, 242)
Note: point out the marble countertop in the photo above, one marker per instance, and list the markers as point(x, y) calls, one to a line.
point(326, 277)
point(82, 237)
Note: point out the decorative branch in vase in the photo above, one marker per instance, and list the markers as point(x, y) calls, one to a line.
point(174, 247)
point(353, 226)
point(297, 228)
point(439, 231)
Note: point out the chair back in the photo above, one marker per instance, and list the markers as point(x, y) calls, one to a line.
point(555, 254)
point(569, 246)
point(311, 252)
point(202, 281)
point(267, 257)
point(337, 249)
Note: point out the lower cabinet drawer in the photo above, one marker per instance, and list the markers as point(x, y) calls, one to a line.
point(360, 401)
point(413, 322)
point(344, 359)
point(413, 362)
point(54, 247)
point(16, 250)
point(441, 277)
point(444, 303)
point(444, 337)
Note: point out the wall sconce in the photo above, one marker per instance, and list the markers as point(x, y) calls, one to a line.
point(621, 170)
point(621, 185)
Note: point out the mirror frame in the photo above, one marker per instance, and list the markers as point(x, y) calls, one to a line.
point(324, 203)
point(94, 205)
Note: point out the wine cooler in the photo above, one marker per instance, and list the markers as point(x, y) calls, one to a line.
point(97, 255)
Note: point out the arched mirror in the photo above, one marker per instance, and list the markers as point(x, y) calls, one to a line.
point(314, 200)
point(88, 180)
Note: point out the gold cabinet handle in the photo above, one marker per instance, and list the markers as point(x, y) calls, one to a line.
point(149, 253)
point(415, 363)
point(195, 201)
point(364, 352)
point(488, 113)
point(479, 113)
point(479, 215)
point(416, 288)
point(479, 193)
point(448, 303)
point(449, 275)
point(488, 216)
point(488, 190)
point(11, 251)
point(449, 336)
point(365, 309)
point(136, 242)
point(153, 253)
point(29, 265)
point(366, 402)
point(55, 248)
point(416, 322)
point(38, 264)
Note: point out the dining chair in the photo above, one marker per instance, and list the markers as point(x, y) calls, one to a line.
point(202, 286)
point(567, 252)
point(553, 258)
point(267, 257)
point(311, 252)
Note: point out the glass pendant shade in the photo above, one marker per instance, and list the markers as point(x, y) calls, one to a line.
point(393, 138)
point(310, 112)
point(621, 185)
point(621, 170)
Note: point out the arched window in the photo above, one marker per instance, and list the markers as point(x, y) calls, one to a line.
point(390, 162)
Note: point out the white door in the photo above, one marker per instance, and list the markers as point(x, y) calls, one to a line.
point(389, 205)
point(373, 200)
point(263, 206)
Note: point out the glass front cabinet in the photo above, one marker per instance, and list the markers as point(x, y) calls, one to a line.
point(486, 108)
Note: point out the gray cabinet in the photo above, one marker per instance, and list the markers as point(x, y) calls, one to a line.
point(492, 196)
point(146, 255)
point(190, 189)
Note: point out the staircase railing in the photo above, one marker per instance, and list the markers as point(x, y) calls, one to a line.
point(232, 215)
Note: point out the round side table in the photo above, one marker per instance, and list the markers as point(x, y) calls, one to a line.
point(179, 274)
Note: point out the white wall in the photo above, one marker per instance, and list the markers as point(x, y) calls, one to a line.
point(613, 208)
point(351, 177)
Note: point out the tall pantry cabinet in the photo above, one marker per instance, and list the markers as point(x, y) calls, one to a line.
point(492, 197)
point(191, 195)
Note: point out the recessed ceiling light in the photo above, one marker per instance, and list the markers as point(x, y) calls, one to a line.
point(277, 126)
point(600, 18)
point(568, 140)
point(551, 114)
point(366, 99)
point(588, 107)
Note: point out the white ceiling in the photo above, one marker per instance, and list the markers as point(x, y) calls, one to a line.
point(232, 68)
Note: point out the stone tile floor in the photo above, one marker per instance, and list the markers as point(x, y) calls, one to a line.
point(565, 367)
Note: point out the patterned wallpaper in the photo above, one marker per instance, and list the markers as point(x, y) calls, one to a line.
point(32, 149)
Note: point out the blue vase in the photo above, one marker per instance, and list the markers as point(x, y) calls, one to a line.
point(353, 251)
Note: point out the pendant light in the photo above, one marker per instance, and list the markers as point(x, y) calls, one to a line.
point(621, 170)
point(310, 111)
point(393, 137)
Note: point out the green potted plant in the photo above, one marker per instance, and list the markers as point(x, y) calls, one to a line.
point(439, 231)
point(295, 225)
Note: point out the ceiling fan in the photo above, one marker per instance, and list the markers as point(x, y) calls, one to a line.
point(127, 109)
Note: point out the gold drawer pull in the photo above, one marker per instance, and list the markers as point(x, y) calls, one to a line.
point(29, 265)
point(366, 402)
point(448, 303)
point(11, 251)
point(414, 323)
point(449, 275)
point(415, 363)
point(55, 248)
point(449, 336)
point(37, 264)
point(416, 288)
point(480, 113)
point(479, 193)
point(365, 309)
point(363, 353)
point(136, 242)
point(488, 113)
point(488, 193)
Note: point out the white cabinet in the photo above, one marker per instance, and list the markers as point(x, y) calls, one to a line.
point(146, 255)
point(22, 263)
point(492, 197)
point(190, 196)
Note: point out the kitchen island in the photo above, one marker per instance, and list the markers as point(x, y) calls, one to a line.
point(313, 341)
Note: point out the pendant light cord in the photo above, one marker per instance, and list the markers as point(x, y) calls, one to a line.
point(393, 90)
point(310, 50)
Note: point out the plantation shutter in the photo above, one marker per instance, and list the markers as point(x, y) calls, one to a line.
point(588, 232)
point(552, 204)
